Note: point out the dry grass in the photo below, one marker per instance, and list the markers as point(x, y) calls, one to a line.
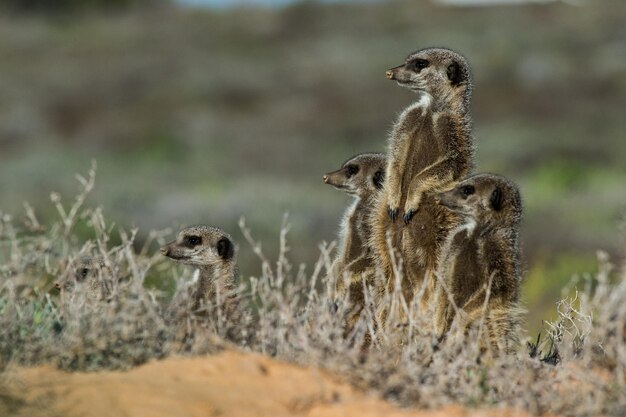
point(578, 369)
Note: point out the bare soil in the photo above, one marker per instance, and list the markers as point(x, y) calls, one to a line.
point(227, 384)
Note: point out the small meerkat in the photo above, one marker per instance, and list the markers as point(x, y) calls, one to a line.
point(87, 272)
point(482, 249)
point(430, 148)
point(362, 177)
point(212, 252)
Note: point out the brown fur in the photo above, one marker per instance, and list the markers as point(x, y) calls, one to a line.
point(212, 252)
point(483, 249)
point(430, 148)
point(362, 177)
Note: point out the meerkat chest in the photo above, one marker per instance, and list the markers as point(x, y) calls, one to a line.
point(415, 116)
point(459, 248)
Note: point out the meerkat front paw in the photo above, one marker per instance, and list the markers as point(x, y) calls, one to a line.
point(408, 215)
point(411, 208)
point(393, 206)
point(409, 212)
point(392, 213)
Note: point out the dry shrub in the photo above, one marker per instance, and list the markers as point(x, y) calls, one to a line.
point(292, 314)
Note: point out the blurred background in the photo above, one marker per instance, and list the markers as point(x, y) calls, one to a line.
point(203, 111)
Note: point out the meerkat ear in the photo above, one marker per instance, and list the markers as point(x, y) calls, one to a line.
point(225, 248)
point(455, 75)
point(379, 177)
point(496, 199)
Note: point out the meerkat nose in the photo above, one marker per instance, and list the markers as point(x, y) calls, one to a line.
point(389, 75)
point(165, 250)
point(325, 178)
point(57, 286)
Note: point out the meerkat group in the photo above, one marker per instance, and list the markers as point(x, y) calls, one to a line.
point(453, 235)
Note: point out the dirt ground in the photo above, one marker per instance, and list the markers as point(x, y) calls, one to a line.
point(229, 384)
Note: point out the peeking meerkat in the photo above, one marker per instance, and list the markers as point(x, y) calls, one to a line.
point(212, 252)
point(430, 148)
point(90, 273)
point(362, 177)
point(482, 249)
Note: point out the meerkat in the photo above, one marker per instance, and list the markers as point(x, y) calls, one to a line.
point(483, 249)
point(87, 272)
point(430, 148)
point(212, 252)
point(362, 177)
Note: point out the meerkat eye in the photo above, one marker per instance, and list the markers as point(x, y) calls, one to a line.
point(83, 272)
point(193, 240)
point(419, 64)
point(351, 170)
point(467, 190)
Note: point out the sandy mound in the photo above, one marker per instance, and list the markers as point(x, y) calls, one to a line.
point(228, 384)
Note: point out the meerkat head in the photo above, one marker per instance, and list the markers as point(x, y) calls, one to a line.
point(201, 246)
point(360, 175)
point(84, 270)
point(486, 198)
point(438, 71)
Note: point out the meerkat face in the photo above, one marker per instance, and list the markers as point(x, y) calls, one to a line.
point(360, 175)
point(433, 70)
point(486, 198)
point(201, 246)
point(84, 270)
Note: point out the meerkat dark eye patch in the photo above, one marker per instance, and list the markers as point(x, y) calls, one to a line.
point(82, 273)
point(497, 199)
point(352, 170)
point(455, 75)
point(467, 190)
point(418, 64)
point(225, 248)
point(192, 241)
point(379, 178)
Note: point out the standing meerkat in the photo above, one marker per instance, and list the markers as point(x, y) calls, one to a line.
point(362, 176)
point(482, 249)
point(212, 252)
point(430, 148)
